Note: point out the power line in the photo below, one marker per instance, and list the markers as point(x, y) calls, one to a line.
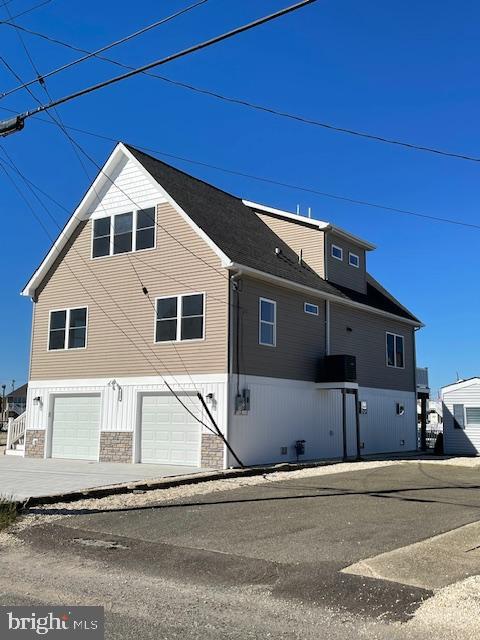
point(96, 53)
point(234, 100)
point(74, 145)
point(175, 56)
point(272, 181)
point(26, 11)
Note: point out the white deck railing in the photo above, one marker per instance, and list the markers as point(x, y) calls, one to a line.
point(16, 431)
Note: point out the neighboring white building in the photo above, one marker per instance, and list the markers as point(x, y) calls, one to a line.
point(461, 417)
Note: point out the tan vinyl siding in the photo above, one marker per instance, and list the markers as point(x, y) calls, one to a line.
point(367, 341)
point(300, 336)
point(169, 269)
point(340, 272)
point(300, 237)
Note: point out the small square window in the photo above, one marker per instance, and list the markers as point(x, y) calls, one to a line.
point(312, 309)
point(337, 252)
point(68, 329)
point(180, 318)
point(353, 260)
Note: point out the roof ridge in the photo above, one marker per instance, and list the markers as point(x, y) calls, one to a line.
point(130, 147)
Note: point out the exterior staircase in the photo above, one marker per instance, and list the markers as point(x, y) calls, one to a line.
point(16, 436)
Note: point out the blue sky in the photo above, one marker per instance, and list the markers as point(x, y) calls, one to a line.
point(406, 70)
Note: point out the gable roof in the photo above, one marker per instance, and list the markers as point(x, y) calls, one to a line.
point(230, 227)
point(460, 384)
point(20, 392)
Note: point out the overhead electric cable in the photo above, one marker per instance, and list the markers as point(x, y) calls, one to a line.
point(272, 181)
point(234, 100)
point(174, 56)
point(94, 54)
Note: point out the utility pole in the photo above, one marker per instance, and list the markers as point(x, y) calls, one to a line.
point(3, 401)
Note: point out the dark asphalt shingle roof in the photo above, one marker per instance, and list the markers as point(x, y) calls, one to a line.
point(20, 392)
point(244, 237)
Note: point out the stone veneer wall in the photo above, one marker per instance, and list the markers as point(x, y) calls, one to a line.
point(212, 451)
point(35, 449)
point(116, 446)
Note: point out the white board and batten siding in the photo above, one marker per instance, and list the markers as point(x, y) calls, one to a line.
point(120, 405)
point(466, 440)
point(283, 411)
point(129, 179)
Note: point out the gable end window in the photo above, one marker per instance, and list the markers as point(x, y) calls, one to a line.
point(353, 260)
point(180, 318)
point(395, 351)
point(312, 309)
point(124, 233)
point(67, 329)
point(337, 252)
point(267, 322)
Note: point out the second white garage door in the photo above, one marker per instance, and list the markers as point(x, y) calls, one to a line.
point(168, 433)
point(75, 428)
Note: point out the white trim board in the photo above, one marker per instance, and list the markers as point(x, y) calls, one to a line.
point(289, 284)
point(320, 224)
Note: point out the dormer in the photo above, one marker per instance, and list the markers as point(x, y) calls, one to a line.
point(335, 254)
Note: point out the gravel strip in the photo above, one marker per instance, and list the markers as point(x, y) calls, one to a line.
point(47, 513)
point(453, 612)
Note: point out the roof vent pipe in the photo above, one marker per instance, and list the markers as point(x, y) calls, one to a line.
point(309, 212)
point(278, 251)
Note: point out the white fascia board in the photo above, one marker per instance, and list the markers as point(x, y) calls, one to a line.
point(287, 214)
point(77, 217)
point(462, 384)
point(223, 257)
point(282, 282)
point(85, 205)
point(320, 224)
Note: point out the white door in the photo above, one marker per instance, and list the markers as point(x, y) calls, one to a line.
point(75, 427)
point(168, 433)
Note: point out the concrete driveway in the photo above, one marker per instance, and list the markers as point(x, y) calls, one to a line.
point(22, 478)
point(256, 561)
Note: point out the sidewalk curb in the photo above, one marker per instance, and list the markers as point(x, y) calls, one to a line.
point(168, 483)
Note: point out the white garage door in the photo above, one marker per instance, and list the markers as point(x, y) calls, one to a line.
point(169, 434)
point(76, 423)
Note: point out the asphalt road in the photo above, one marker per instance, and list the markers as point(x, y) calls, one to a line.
point(248, 562)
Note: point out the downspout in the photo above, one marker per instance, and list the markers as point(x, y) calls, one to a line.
point(327, 327)
point(231, 336)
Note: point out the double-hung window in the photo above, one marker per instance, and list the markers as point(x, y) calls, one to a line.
point(180, 318)
point(267, 325)
point(67, 329)
point(124, 233)
point(395, 351)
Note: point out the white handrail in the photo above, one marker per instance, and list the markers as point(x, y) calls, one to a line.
point(16, 430)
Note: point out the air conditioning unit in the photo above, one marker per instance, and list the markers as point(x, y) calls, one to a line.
point(338, 368)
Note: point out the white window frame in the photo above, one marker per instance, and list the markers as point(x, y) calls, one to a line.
point(332, 248)
point(67, 329)
point(395, 336)
point(310, 304)
point(260, 321)
point(179, 297)
point(112, 216)
point(357, 257)
point(465, 419)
